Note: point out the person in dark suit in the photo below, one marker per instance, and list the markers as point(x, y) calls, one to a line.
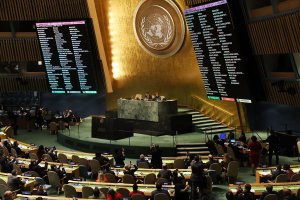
point(165, 173)
point(14, 182)
point(159, 190)
point(277, 172)
point(198, 179)
point(103, 161)
point(34, 166)
point(142, 160)
point(119, 157)
point(273, 140)
point(269, 190)
point(156, 156)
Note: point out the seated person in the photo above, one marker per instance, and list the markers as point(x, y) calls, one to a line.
point(269, 190)
point(38, 190)
point(210, 161)
point(287, 194)
point(142, 160)
point(113, 195)
point(34, 166)
point(165, 173)
point(20, 153)
point(14, 182)
point(181, 188)
point(59, 170)
point(103, 161)
point(189, 158)
point(287, 169)
point(101, 178)
point(97, 194)
point(9, 195)
point(277, 172)
point(227, 159)
point(159, 190)
point(135, 190)
point(246, 193)
point(130, 171)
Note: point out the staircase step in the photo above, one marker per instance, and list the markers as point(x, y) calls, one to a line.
point(222, 130)
point(194, 113)
point(198, 125)
point(192, 148)
point(190, 144)
point(201, 118)
point(198, 115)
point(213, 127)
point(207, 121)
point(193, 152)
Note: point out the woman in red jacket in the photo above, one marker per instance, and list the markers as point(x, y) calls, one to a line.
point(254, 155)
point(113, 195)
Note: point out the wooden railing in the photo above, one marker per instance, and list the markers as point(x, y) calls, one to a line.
point(23, 82)
point(213, 111)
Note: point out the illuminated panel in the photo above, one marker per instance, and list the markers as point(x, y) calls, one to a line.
point(218, 52)
point(70, 59)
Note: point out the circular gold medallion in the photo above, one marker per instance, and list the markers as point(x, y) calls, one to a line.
point(159, 27)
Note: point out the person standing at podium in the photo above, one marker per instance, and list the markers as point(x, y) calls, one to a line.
point(273, 147)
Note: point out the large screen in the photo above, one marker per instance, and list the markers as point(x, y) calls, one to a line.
point(218, 51)
point(70, 59)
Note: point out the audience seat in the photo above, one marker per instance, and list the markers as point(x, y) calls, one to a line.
point(282, 178)
point(69, 191)
point(271, 197)
point(111, 178)
point(179, 164)
point(143, 165)
point(54, 180)
point(62, 158)
point(124, 191)
point(3, 189)
point(127, 178)
point(295, 178)
point(161, 196)
point(150, 178)
point(137, 197)
point(232, 171)
point(87, 192)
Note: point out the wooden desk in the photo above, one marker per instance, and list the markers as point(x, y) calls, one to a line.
point(171, 159)
point(261, 172)
point(88, 156)
point(27, 148)
point(33, 197)
point(146, 188)
point(259, 188)
point(29, 181)
point(70, 169)
point(141, 173)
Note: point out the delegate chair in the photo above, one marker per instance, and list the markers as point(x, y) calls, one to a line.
point(62, 158)
point(14, 152)
point(75, 159)
point(162, 181)
point(111, 178)
point(232, 171)
point(33, 156)
point(161, 196)
point(125, 192)
point(104, 190)
point(83, 161)
point(144, 165)
point(298, 145)
point(2, 182)
point(95, 167)
point(219, 149)
point(295, 178)
point(3, 189)
point(48, 157)
point(179, 164)
point(216, 172)
point(69, 191)
point(127, 178)
point(271, 197)
point(282, 178)
point(138, 197)
point(150, 179)
point(231, 153)
point(298, 193)
point(87, 192)
point(54, 180)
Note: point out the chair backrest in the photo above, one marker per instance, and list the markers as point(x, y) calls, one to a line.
point(33, 173)
point(2, 182)
point(170, 165)
point(127, 178)
point(220, 149)
point(162, 180)
point(95, 166)
point(62, 158)
point(298, 145)
point(5, 151)
point(87, 192)
point(33, 156)
point(282, 178)
point(75, 159)
point(110, 177)
point(144, 165)
point(104, 190)
point(69, 191)
point(48, 157)
point(231, 153)
point(150, 178)
point(295, 178)
point(17, 168)
point(298, 194)
point(54, 180)
point(208, 189)
point(13, 152)
point(124, 191)
point(179, 164)
point(233, 169)
point(161, 196)
point(137, 197)
point(217, 167)
point(3, 189)
point(83, 161)
point(271, 197)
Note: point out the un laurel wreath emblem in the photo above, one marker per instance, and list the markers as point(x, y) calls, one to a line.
point(159, 27)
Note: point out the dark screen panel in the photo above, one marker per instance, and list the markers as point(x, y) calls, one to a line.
point(69, 57)
point(218, 51)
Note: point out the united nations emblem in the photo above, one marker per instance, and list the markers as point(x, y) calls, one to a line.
point(159, 27)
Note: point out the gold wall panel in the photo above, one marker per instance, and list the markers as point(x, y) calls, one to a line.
point(175, 77)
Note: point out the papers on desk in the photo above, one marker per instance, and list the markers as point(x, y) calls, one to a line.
point(235, 190)
point(265, 173)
